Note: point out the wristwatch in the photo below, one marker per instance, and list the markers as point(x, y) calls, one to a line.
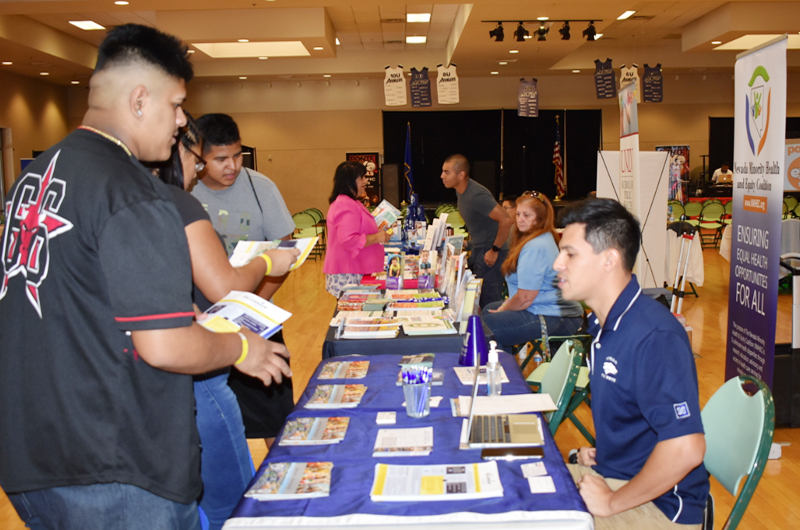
point(495, 248)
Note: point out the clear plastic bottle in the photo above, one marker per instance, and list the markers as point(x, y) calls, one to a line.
point(493, 372)
point(537, 360)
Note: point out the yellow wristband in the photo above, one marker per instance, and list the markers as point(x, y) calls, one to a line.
point(269, 263)
point(245, 349)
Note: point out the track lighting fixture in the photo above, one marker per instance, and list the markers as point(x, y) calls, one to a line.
point(497, 33)
point(521, 33)
point(542, 32)
point(565, 31)
point(590, 32)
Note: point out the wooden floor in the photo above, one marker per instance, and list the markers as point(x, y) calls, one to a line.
point(776, 503)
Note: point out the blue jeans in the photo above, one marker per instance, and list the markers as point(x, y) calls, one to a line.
point(110, 506)
point(517, 327)
point(226, 464)
point(492, 289)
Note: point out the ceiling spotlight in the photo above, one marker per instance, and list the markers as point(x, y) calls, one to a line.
point(565, 31)
point(521, 33)
point(590, 32)
point(497, 33)
point(542, 32)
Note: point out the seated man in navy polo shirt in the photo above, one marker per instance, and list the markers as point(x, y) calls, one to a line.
point(647, 469)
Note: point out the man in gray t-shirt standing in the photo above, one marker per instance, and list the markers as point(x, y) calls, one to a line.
point(487, 223)
point(245, 205)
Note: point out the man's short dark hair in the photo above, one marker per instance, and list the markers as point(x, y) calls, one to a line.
point(608, 225)
point(460, 163)
point(218, 129)
point(134, 43)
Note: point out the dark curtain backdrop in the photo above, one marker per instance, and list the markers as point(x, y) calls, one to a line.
point(529, 142)
point(720, 140)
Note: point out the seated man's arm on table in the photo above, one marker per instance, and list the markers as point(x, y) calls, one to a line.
point(670, 461)
point(196, 350)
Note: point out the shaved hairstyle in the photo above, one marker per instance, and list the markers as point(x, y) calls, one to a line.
point(460, 163)
point(132, 44)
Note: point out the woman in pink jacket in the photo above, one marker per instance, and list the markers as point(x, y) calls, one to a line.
point(355, 245)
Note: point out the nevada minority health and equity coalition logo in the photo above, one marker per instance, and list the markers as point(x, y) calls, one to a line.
point(757, 117)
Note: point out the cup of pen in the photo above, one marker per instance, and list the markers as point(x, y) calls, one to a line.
point(417, 390)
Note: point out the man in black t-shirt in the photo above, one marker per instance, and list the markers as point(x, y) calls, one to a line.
point(96, 422)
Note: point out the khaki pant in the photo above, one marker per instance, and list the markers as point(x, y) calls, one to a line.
point(644, 517)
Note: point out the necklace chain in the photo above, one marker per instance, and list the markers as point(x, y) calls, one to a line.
point(107, 137)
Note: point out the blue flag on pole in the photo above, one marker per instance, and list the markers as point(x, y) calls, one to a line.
point(407, 173)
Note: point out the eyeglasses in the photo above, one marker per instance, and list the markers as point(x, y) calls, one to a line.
point(200, 162)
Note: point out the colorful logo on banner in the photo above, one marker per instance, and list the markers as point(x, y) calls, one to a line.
point(757, 116)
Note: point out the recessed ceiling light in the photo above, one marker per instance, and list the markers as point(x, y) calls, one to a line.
point(262, 58)
point(189, 51)
point(318, 48)
point(542, 18)
point(528, 36)
point(337, 42)
point(242, 77)
point(7, 63)
point(44, 73)
point(513, 51)
point(494, 73)
point(626, 15)
point(86, 25)
point(121, 3)
point(75, 82)
point(715, 42)
point(416, 39)
point(597, 36)
point(244, 40)
point(418, 17)
point(326, 75)
point(503, 63)
point(576, 71)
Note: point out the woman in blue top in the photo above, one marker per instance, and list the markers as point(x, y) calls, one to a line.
point(534, 301)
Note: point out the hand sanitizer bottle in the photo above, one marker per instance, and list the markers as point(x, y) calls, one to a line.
point(493, 372)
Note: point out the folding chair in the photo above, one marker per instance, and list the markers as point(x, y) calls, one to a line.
point(739, 430)
point(305, 226)
point(691, 210)
point(558, 378)
point(711, 219)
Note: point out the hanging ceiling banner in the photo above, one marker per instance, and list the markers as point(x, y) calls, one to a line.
point(528, 99)
point(758, 175)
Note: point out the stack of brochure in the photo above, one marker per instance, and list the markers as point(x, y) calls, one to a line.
point(436, 483)
point(404, 442)
point(314, 431)
point(293, 480)
point(344, 370)
point(427, 326)
point(336, 396)
point(370, 328)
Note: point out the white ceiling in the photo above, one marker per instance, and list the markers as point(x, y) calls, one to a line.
point(36, 36)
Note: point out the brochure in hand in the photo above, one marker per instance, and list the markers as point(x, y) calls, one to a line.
point(385, 215)
point(238, 309)
point(436, 482)
point(246, 251)
point(293, 480)
point(336, 396)
point(314, 431)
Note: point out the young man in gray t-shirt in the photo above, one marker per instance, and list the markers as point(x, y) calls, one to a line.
point(488, 226)
point(245, 205)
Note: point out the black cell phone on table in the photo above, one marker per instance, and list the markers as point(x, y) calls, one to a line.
point(512, 453)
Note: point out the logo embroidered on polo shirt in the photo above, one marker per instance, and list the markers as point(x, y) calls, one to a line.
point(610, 369)
point(681, 410)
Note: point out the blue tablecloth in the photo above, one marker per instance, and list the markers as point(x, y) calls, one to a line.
point(402, 344)
point(349, 503)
